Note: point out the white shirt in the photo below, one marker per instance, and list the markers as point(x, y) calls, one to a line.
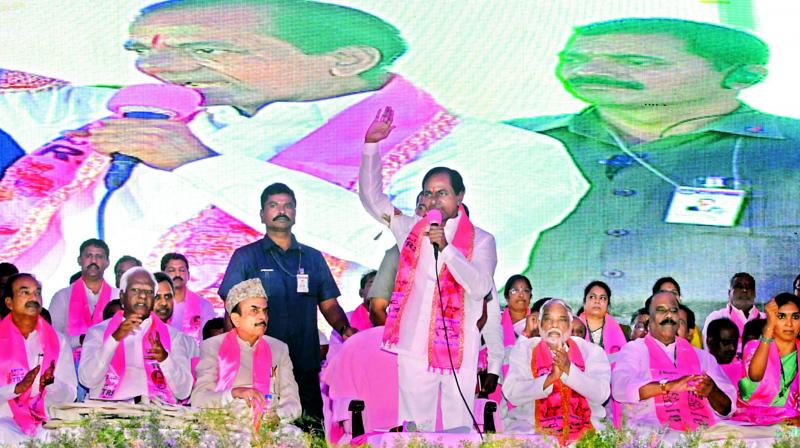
point(632, 371)
point(97, 355)
point(285, 396)
point(59, 309)
point(475, 276)
point(486, 154)
point(725, 312)
point(522, 389)
point(64, 388)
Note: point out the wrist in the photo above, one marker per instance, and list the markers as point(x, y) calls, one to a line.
point(343, 328)
point(765, 338)
point(665, 386)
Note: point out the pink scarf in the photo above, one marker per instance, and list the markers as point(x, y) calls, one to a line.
point(156, 382)
point(682, 411)
point(509, 335)
point(613, 338)
point(28, 408)
point(759, 409)
point(359, 319)
point(229, 362)
point(735, 371)
point(564, 414)
point(80, 318)
point(438, 359)
point(192, 320)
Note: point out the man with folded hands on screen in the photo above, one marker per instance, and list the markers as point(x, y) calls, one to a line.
point(134, 356)
point(245, 363)
point(432, 316)
point(36, 367)
point(664, 113)
point(552, 369)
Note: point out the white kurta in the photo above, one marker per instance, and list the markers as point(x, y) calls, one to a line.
point(59, 309)
point(632, 371)
point(522, 389)
point(97, 355)
point(419, 387)
point(63, 390)
point(285, 397)
point(485, 153)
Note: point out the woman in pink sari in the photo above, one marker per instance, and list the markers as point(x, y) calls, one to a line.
point(602, 329)
point(769, 392)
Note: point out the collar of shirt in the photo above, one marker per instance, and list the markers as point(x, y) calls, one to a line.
point(267, 244)
point(754, 313)
point(669, 349)
point(288, 112)
point(744, 121)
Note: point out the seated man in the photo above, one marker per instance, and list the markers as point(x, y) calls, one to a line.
point(36, 369)
point(244, 363)
point(721, 340)
point(164, 307)
point(769, 387)
point(134, 355)
point(552, 369)
point(662, 380)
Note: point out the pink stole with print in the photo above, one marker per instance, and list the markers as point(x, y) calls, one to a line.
point(36, 188)
point(192, 324)
point(157, 386)
point(453, 297)
point(682, 411)
point(359, 318)
point(613, 336)
point(28, 408)
point(564, 413)
point(230, 361)
point(759, 409)
point(80, 318)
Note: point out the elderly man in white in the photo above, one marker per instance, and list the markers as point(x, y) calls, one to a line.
point(134, 355)
point(244, 363)
point(544, 371)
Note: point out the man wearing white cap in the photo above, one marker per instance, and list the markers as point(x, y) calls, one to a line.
point(245, 363)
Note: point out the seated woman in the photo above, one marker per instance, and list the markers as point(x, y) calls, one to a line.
point(602, 329)
point(770, 389)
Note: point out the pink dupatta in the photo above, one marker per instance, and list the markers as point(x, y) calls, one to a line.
point(192, 320)
point(759, 409)
point(359, 319)
point(28, 408)
point(80, 318)
point(156, 382)
point(453, 293)
point(229, 362)
point(682, 411)
point(564, 414)
point(613, 338)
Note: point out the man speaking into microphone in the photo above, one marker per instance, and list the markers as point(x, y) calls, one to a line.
point(446, 268)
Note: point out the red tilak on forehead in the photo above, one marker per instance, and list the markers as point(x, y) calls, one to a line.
point(157, 40)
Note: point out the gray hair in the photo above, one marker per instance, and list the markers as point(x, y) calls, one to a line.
point(555, 302)
point(123, 281)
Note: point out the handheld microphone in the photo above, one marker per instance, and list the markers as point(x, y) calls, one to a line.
point(435, 219)
point(149, 102)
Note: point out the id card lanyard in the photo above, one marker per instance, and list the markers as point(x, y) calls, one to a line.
point(624, 148)
point(302, 277)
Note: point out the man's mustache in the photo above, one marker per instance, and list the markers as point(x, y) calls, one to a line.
point(668, 322)
point(33, 304)
point(177, 277)
point(93, 265)
point(281, 216)
point(604, 81)
point(261, 324)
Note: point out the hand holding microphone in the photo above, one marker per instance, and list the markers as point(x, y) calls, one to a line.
point(436, 231)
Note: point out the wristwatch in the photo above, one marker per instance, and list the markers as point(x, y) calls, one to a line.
point(663, 384)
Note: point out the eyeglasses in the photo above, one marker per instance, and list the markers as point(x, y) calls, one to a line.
point(139, 292)
point(517, 290)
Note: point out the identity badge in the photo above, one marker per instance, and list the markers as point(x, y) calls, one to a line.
point(302, 283)
point(705, 206)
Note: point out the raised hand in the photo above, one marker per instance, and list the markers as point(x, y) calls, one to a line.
point(27, 381)
point(531, 325)
point(128, 326)
point(561, 359)
point(771, 309)
point(48, 377)
point(381, 126)
point(156, 350)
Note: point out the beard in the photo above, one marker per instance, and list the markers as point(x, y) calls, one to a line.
point(555, 337)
